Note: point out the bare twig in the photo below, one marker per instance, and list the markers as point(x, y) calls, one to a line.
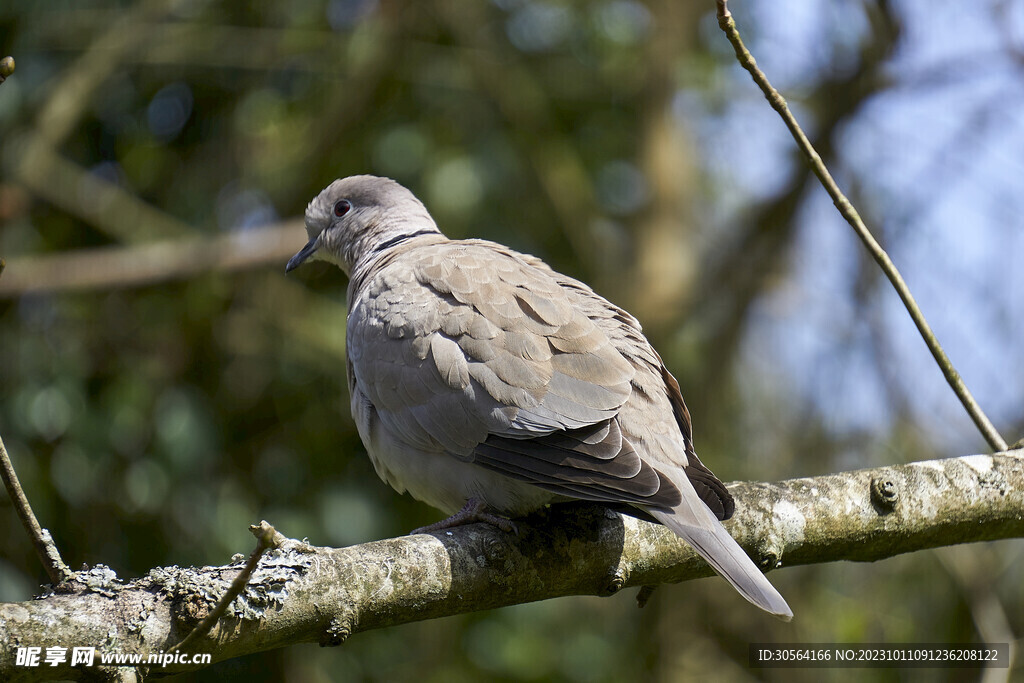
point(846, 209)
point(266, 537)
point(41, 539)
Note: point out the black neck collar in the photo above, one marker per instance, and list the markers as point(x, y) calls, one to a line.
point(401, 238)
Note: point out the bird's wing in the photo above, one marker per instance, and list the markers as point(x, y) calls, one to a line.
point(469, 349)
point(702, 498)
point(655, 395)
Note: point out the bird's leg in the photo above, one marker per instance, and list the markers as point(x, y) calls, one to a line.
point(472, 512)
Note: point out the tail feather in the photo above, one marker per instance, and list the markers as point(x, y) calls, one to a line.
point(694, 523)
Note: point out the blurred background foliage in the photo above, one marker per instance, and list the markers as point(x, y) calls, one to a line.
point(152, 418)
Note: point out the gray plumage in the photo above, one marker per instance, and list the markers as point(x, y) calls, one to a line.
point(477, 372)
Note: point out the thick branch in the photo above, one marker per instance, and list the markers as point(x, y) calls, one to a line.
point(305, 594)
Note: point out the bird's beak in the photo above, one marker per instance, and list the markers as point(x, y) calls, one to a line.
point(300, 258)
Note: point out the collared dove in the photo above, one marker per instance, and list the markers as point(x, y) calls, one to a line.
point(481, 379)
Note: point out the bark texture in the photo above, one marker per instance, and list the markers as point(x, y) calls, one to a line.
point(301, 593)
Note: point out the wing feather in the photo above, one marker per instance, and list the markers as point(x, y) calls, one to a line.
point(491, 356)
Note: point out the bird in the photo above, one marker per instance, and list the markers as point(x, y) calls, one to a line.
point(488, 385)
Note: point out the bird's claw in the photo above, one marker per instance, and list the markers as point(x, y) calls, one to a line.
point(474, 511)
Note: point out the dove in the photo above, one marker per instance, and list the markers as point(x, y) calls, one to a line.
point(488, 385)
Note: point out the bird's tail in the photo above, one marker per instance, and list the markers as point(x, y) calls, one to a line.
point(694, 523)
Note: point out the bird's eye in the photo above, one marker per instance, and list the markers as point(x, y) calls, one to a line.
point(342, 207)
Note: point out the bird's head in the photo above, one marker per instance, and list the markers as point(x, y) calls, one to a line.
point(354, 217)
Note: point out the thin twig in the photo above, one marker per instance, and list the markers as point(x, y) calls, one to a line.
point(778, 103)
point(267, 537)
point(41, 539)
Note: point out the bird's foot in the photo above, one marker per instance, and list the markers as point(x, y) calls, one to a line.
point(472, 512)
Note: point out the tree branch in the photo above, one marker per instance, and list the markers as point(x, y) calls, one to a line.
point(143, 264)
point(306, 594)
point(41, 539)
point(846, 209)
point(266, 537)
